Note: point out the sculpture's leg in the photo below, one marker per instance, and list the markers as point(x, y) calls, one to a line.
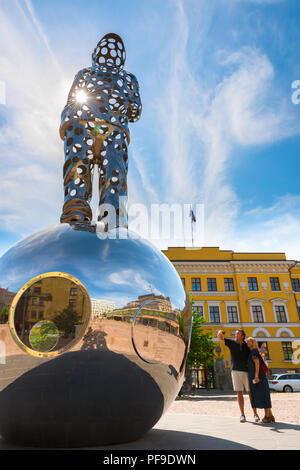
point(113, 181)
point(78, 174)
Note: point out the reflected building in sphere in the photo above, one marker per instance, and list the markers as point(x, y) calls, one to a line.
point(6, 298)
point(101, 307)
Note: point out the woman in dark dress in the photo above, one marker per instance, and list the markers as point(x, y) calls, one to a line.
point(259, 387)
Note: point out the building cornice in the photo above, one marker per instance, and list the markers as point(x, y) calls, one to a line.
point(226, 262)
point(213, 293)
point(231, 267)
point(278, 299)
point(255, 299)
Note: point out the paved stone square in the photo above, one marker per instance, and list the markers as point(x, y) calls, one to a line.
point(210, 421)
point(286, 406)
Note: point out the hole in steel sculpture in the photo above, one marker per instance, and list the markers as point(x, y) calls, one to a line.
point(43, 336)
point(99, 325)
point(157, 335)
point(62, 306)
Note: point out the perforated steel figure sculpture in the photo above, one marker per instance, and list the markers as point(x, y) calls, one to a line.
point(94, 127)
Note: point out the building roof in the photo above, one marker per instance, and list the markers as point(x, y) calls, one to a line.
point(213, 253)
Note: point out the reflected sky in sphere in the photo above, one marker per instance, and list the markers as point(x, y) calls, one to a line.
point(119, 269)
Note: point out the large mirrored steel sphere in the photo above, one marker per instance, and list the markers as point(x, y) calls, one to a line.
point(96, 341)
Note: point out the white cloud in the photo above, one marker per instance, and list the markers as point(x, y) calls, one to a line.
point(127, 276)
point(36, 89)
point(246, 108)
point(242, 112)
point(273, 228)
point(198, 132)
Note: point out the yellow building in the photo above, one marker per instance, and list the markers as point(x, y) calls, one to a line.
point(47, 298)
point(258, 292)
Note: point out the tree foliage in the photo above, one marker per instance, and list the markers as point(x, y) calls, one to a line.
point(66, 321)
point(44, 336)
point(201, 352)
point(3, 315)
point(202, 346)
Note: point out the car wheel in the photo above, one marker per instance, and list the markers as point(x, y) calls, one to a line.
point(287, 389)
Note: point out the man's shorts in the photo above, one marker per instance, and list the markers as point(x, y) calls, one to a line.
point(240, 380)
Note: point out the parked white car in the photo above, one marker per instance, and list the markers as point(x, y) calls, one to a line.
point(285, 382)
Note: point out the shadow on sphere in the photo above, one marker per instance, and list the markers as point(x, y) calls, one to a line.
point(81, 399)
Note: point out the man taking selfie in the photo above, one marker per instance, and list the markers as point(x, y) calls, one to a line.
point(239, 353)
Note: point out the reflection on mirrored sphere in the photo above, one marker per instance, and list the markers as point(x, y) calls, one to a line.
point(100, 328)
point(43, 336)
point(62, 306)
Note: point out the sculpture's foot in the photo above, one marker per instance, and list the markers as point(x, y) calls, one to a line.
point(86, 227)
point(76, 211)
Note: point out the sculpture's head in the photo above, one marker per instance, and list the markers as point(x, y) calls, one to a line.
point(110, 51)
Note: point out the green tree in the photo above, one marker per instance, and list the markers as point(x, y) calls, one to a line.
point(44, 336)
point(202, 347)
point(66, 321)
point(201, 352)
point(3, 315)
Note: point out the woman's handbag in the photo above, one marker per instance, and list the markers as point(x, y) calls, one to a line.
point(264, 366)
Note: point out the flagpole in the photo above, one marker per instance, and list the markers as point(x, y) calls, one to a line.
point(192, 234)
point(191, 215)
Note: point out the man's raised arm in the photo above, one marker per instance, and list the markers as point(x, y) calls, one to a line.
point(220, 336)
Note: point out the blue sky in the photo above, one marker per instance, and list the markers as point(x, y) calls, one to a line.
point(218, 125)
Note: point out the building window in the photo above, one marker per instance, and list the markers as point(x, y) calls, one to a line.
point(296, 285)
point(73, 291)
point(275, 285)
point(287, 350)
point(72, 302)
point(198, 310)
point(41, 315)
point(41, 302)
point(183, 281)
point(265, 349)
point(211, 284)
point(232, 312)
point(214, 314)
point(228, 282)
point(37, 290)
point(34, 300)
point(257, 314)
point(196, 284)
point(280, 314)
point(252, 283)
point(33, 314)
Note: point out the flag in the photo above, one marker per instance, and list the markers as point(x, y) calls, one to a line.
point(192, 216)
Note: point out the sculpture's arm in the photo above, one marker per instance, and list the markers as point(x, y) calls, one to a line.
point(77, 83)
point(135, 105)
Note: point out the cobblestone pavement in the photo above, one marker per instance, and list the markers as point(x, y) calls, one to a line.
point(286, 406)
point(210, 421)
